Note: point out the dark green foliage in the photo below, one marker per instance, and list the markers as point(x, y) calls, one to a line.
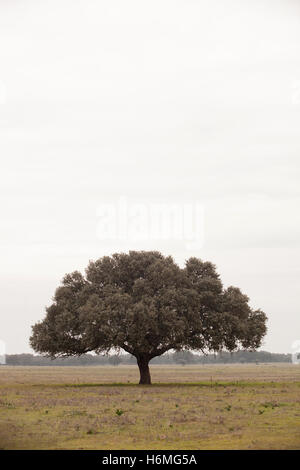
point(145, 304)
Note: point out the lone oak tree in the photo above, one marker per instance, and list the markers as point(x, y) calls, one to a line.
point(145, 304)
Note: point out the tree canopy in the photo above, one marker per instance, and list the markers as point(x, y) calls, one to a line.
point(144, 303)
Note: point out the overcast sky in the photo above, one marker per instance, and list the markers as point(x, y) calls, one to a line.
point(167, 100)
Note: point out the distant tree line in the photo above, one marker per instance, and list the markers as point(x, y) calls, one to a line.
point(182, 357)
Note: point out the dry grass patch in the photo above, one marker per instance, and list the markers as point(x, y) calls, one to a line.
point(243, 407)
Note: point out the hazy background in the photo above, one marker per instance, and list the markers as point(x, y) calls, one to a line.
point(174, 100)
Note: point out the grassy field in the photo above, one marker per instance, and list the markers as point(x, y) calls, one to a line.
point(190, 407)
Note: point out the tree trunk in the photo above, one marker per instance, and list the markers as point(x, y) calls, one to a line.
point(143, 363)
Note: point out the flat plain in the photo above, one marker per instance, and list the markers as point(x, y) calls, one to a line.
point(244, 406)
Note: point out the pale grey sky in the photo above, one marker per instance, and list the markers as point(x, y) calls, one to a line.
point(176, 100)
